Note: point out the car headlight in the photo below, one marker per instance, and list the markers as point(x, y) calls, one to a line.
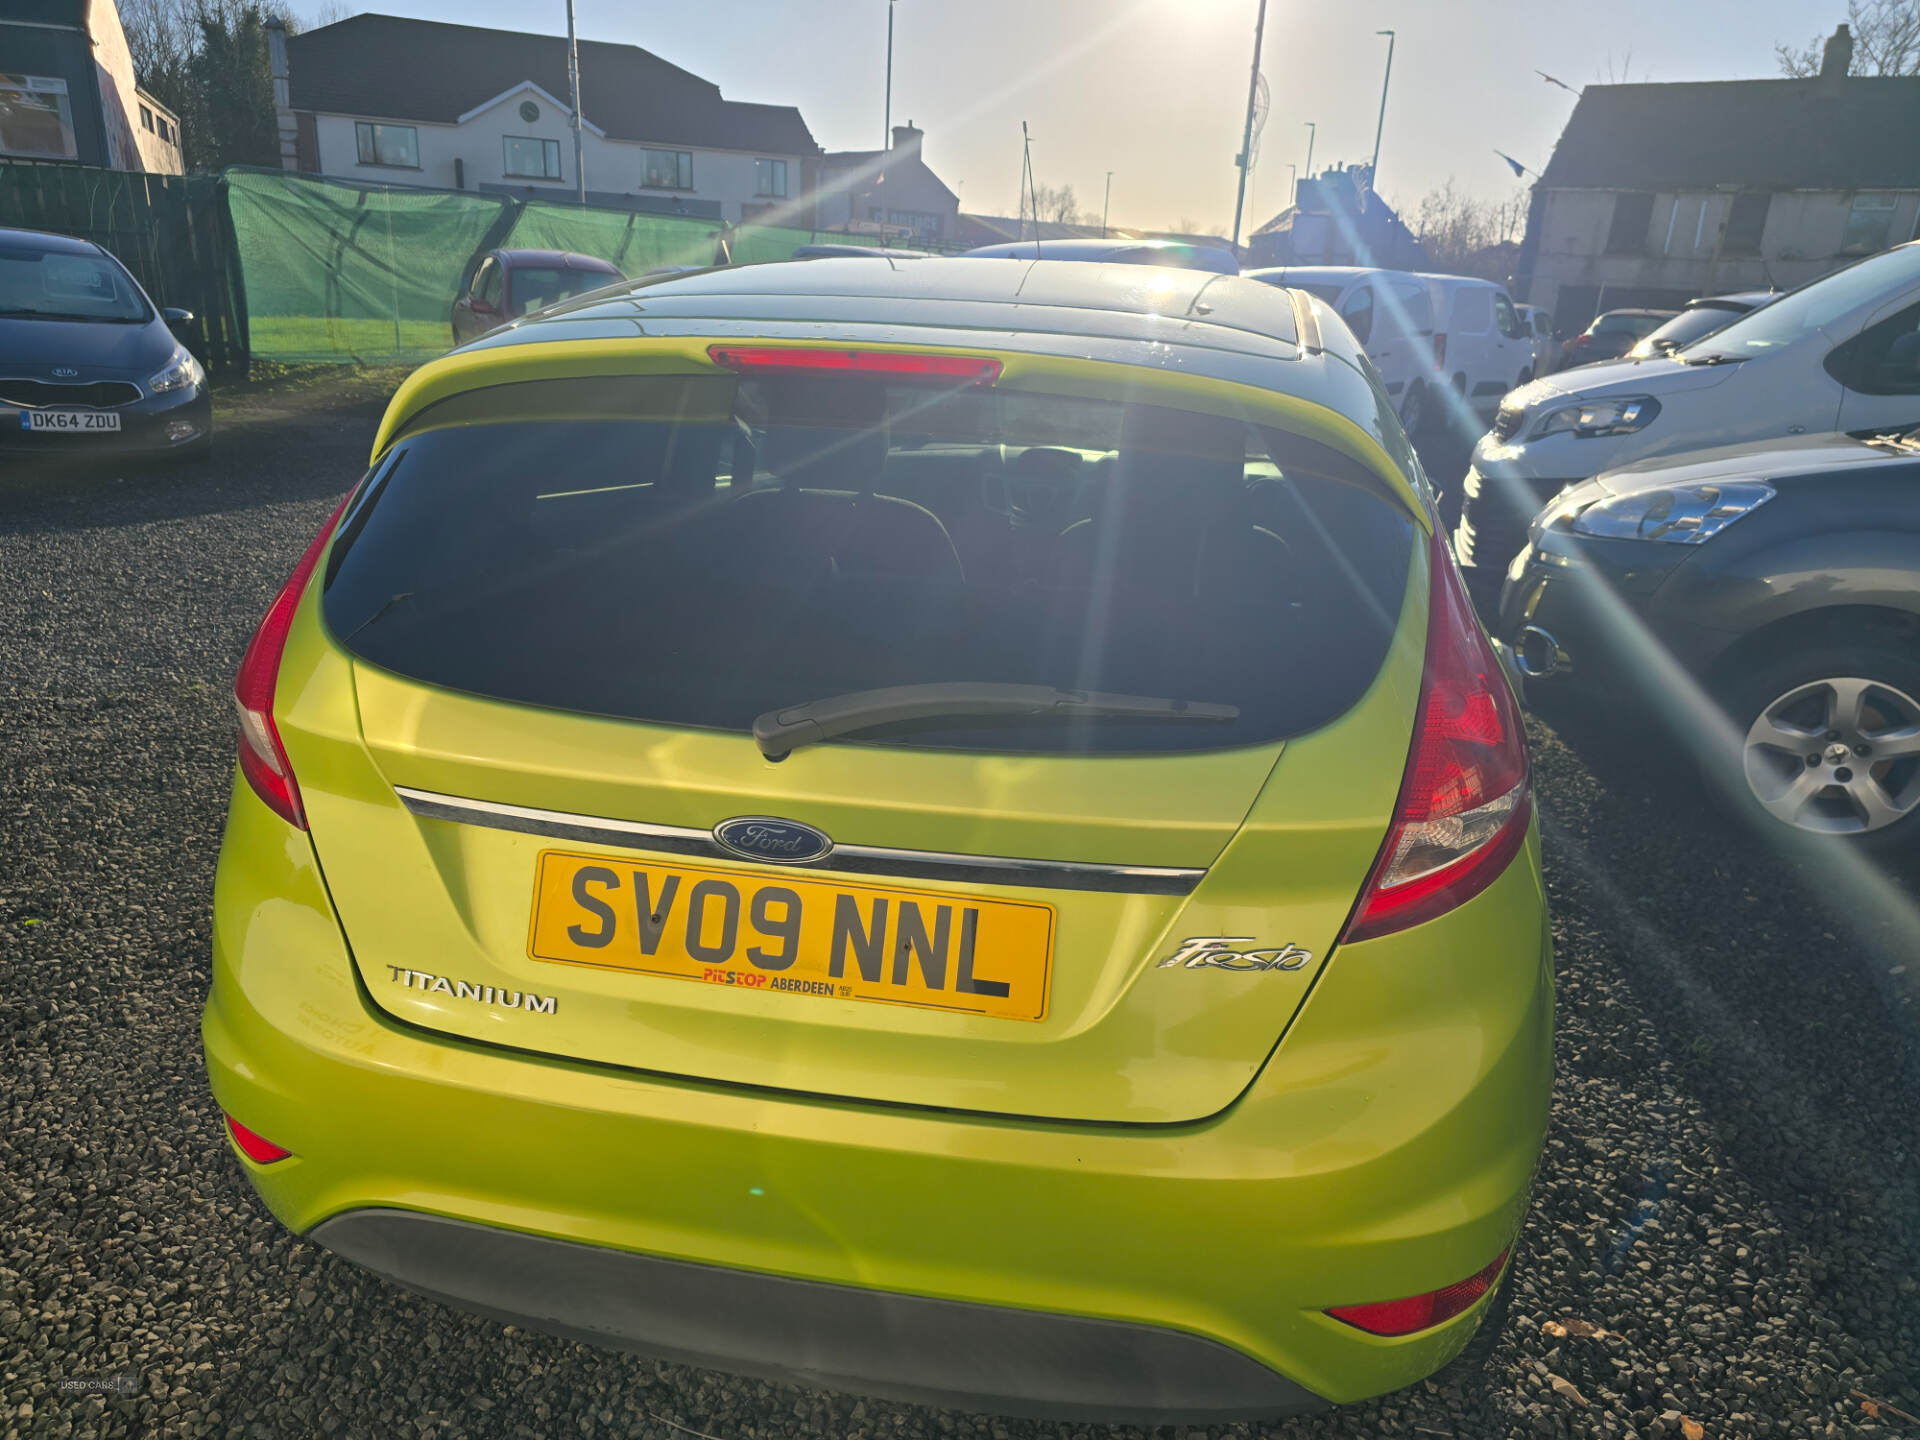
point(182, 370)
point(1686, 515)
point(1621, 416)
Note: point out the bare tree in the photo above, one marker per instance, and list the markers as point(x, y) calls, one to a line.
point(1467, 235)
point(1620, 73)
point(1057, 205)
point(1886, 41)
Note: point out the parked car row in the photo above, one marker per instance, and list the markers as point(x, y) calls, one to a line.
point(1740, 512)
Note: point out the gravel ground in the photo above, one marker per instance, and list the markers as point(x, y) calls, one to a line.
point(1729, 1193)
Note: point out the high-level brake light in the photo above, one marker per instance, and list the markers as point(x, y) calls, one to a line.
point(834, 360)
point(263, 759)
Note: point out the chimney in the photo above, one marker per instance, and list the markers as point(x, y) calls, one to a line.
point(1837, 58)
point(284, 122)
point(906, 139)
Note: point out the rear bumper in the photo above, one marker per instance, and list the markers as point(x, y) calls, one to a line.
point(901, 1347)
point(1064, 1269)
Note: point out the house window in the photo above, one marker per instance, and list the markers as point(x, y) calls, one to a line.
point(528, 158)
point(1869, 224)
point(1632, 214)
point(1746, 223)
point(146, 117)
point(396, 145)
point(770, 177)
point(36, 117)
point(666, 169)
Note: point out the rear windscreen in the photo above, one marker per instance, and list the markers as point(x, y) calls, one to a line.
point(695, 551)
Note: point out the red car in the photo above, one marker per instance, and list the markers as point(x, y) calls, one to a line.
point(507, 284)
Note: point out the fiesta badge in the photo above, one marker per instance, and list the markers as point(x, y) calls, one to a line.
point(760, 837)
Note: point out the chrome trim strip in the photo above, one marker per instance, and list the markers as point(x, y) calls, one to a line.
point(847, 859)
point(139, 390)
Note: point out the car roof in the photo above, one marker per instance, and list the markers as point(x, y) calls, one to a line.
point(1318, 272)
point(981, 304)
point(49, 240)
point(1097, 250)
point(824, 251)
point(1330, 274)
point(1634, 310)
point(563, 258)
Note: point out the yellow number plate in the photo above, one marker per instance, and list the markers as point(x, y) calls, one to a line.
point(785, 935)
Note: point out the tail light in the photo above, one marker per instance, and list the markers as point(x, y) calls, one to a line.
point(255, 1147)
point(1439, 349)
point(263, 759)
point(1465, 801)
point(1420, 1312)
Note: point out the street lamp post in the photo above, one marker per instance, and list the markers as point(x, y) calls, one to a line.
point(1105, 206)
point(1245, 158)
point(1293, 183)
point(886, 125)
point(1373, 172)
point(1313, 130)
point(573, 84)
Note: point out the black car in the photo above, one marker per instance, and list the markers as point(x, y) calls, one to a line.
point(88, 365)
point(1783, 578)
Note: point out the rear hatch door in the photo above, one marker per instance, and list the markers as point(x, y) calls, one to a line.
point(520, 716)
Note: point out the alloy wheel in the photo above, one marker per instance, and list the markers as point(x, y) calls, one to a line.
point(1837, 757)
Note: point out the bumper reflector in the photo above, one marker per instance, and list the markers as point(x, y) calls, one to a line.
point(1421, 1312)
point(255, 1148)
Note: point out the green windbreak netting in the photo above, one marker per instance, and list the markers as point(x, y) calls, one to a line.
point(337, 271)
point(639, 243)
point(635, 243)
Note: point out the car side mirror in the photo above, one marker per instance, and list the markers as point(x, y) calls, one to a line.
point(176, 317)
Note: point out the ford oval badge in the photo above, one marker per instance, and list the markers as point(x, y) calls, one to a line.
point(761, 837)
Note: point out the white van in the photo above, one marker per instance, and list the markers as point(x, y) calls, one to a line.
point(1480, 348)
point(1488, 349)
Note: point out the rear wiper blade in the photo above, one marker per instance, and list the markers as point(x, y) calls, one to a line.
point(779, 732)
point(386, 607)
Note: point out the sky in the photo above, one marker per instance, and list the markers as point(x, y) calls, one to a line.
point(1156, 90)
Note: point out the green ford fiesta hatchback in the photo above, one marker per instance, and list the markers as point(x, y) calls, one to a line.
point(944, 831)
